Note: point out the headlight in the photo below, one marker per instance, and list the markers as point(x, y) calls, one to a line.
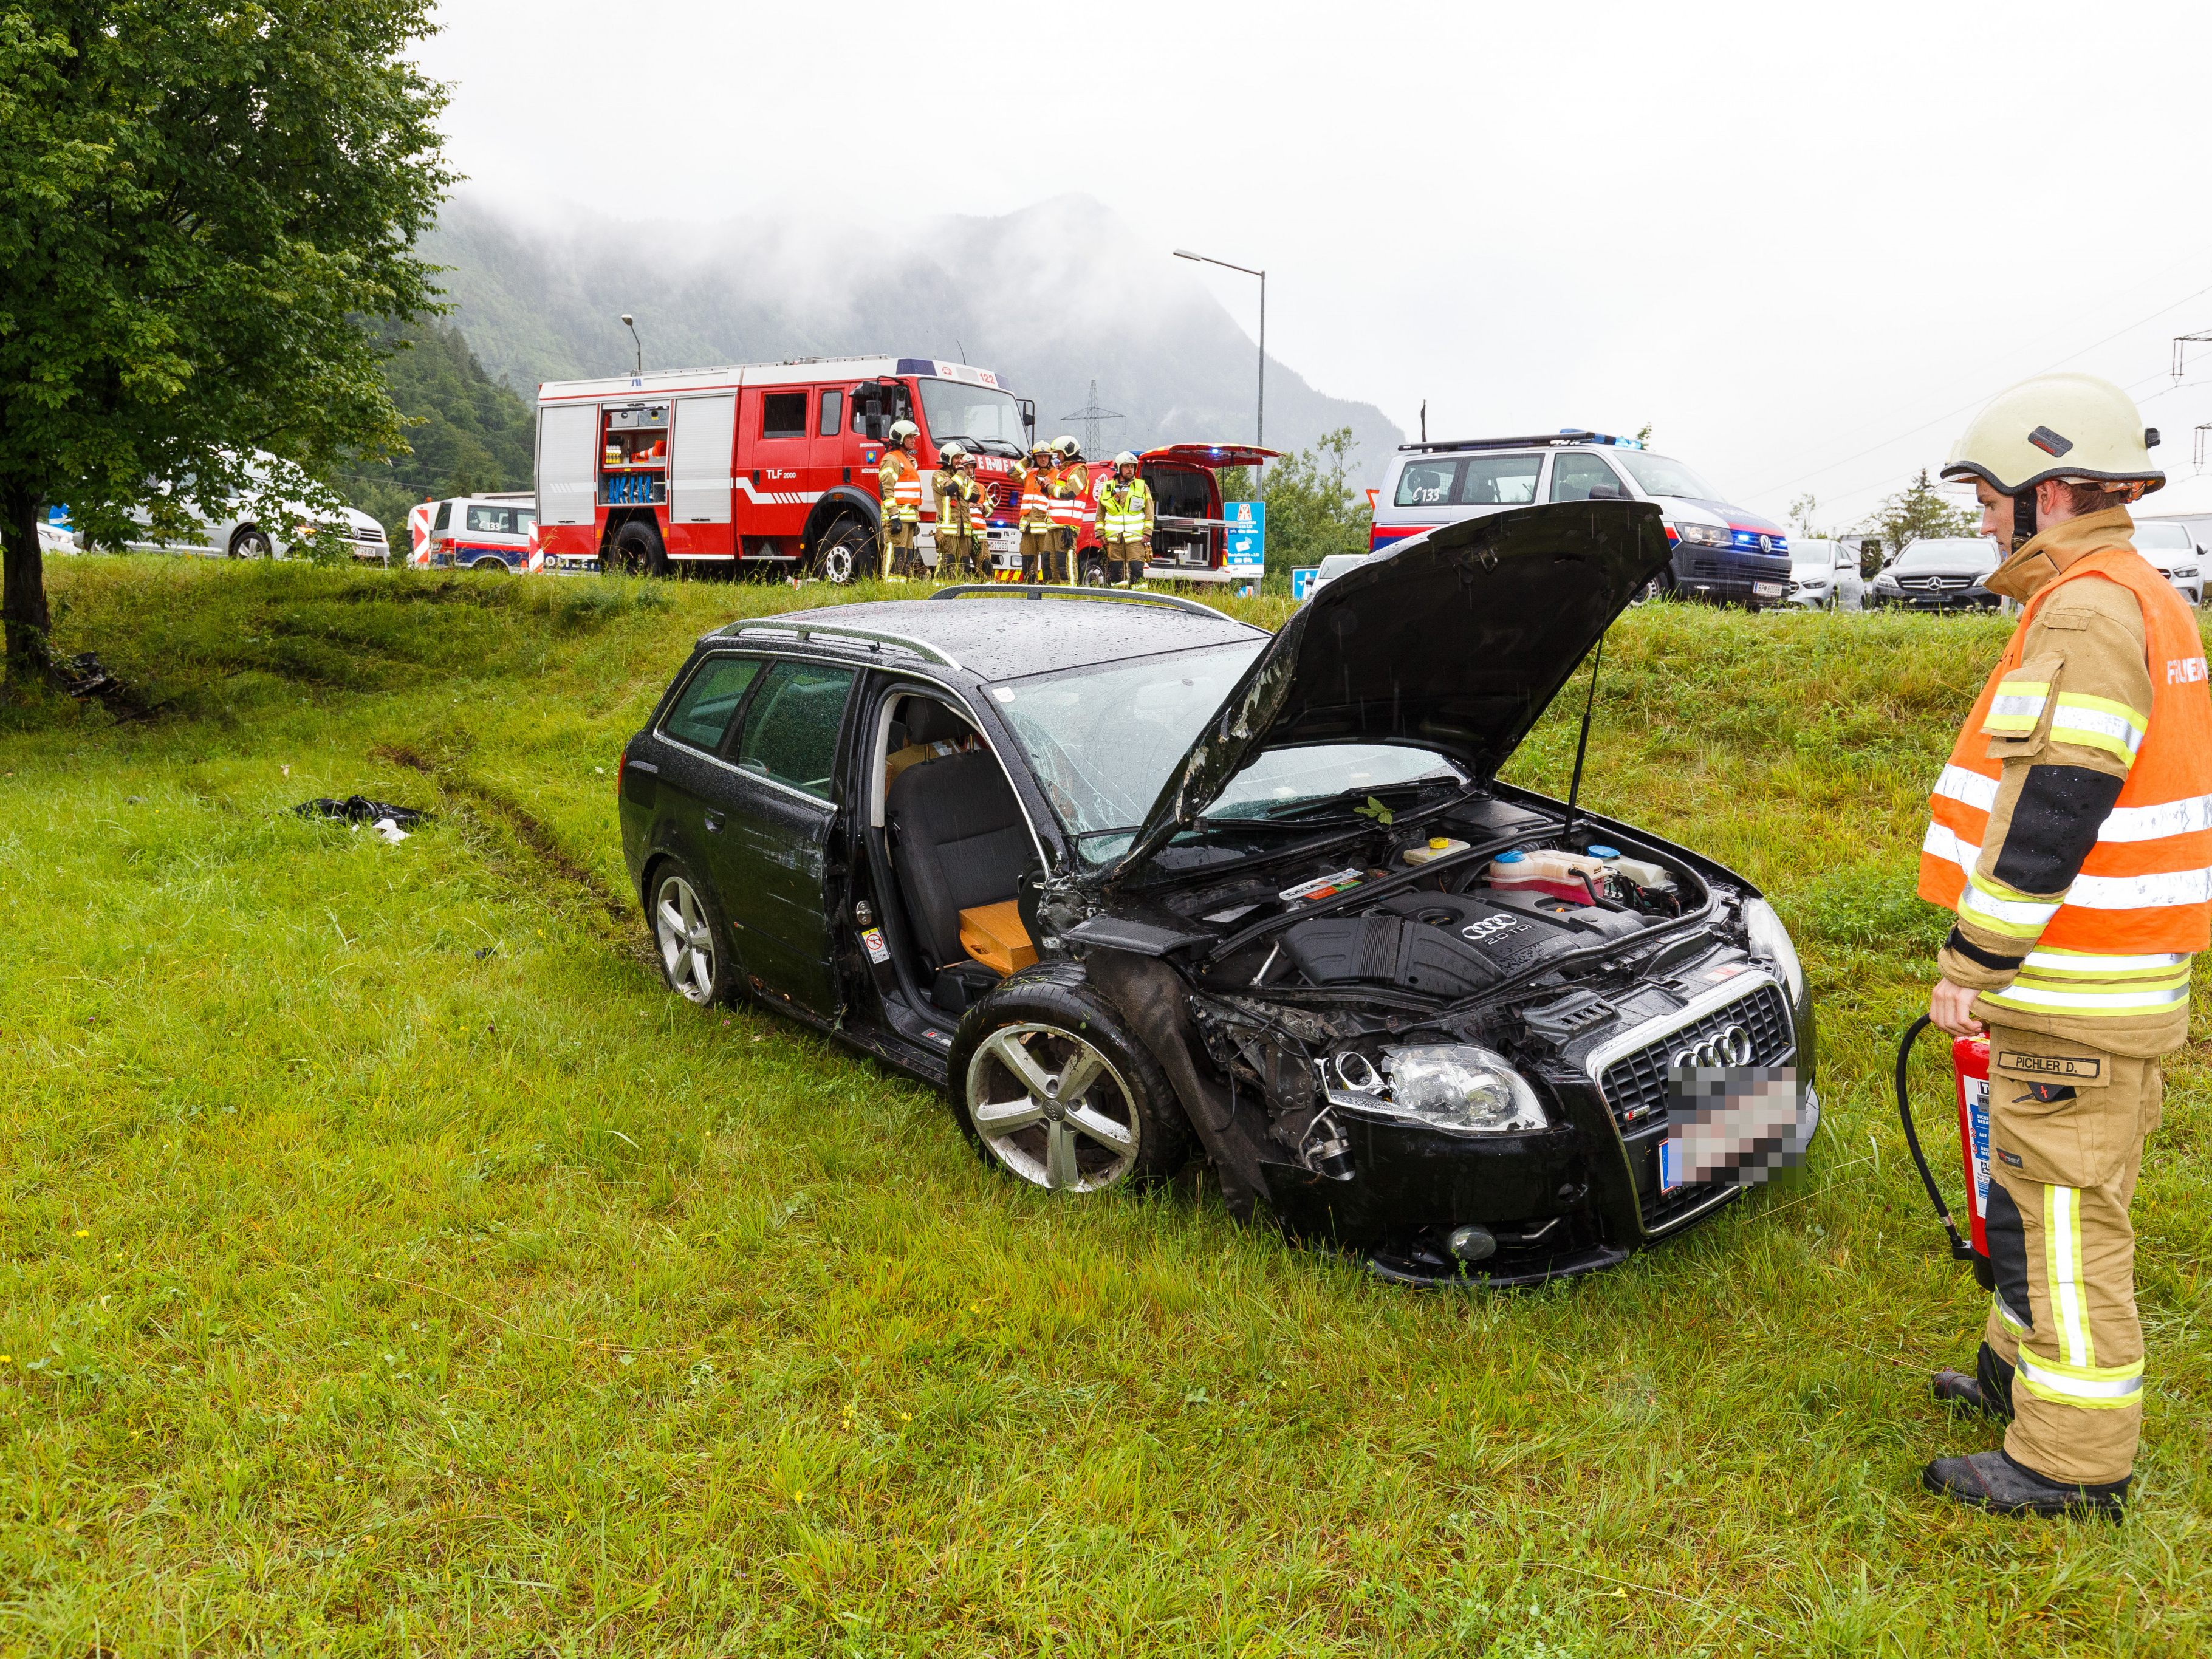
point(1448, 1085)
point(1706, 535)
point(2186, 571)
point(1769, 937)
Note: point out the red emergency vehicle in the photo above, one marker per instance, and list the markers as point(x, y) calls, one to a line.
point(1190, 538)
point(770, 465)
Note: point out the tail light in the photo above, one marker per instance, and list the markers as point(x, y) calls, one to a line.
point(621, 766)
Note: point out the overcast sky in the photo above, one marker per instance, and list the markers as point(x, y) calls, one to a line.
point(1803, 243)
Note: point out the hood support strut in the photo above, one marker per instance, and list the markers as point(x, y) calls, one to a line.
point(1581, 743)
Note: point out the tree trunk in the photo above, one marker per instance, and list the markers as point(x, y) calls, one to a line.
point(23, 591)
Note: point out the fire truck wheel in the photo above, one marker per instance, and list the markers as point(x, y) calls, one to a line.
point(637, 551)
point(1094, 573)
point(843, 552)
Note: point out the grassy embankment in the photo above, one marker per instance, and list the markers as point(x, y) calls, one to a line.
point(387, 1264)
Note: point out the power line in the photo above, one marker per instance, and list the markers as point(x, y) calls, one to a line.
point(1090, 415)
point(1975, 402)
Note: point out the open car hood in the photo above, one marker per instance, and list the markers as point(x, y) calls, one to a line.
point(1457, 644)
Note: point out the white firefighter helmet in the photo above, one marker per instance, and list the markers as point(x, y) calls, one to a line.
point(904, 432)
point(951, 453)
point(2074, 427)
point(1065, 445)
point(1127, 457)
point(1042, 446)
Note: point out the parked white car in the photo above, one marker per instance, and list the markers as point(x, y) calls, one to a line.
point(1331, 566)
point(1824, 575)
point(56, 538)
point(241, 534)
point(2174, 552)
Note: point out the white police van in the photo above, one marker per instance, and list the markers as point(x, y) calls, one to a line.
point(1722, 553)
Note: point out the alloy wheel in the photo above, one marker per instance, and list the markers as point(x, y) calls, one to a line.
point(1052, 1109)
point(687, 942)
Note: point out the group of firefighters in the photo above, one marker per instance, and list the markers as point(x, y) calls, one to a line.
point(1056, 488)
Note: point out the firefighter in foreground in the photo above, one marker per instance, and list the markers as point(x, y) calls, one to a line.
point(1124, 521)
point(963, 506)
point(1040, 529)
point(899, 488)
point(2071, 836)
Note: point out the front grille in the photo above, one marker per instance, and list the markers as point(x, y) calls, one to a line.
point(1636, 1084)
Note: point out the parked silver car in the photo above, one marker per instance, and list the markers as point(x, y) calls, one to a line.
point(2174, 552)
point(1824, 575)
point(241, 532)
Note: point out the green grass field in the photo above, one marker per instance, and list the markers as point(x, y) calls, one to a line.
point(389, 1264)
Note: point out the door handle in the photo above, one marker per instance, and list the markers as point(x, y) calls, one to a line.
point(714, 822)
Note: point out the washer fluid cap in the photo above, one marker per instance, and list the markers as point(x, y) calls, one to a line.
point(1514, 857)
point(1603, 851)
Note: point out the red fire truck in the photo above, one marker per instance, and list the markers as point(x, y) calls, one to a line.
point(763, 466)
point(1190, 538)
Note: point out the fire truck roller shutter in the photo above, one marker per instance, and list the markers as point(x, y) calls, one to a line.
point(700, 444)
point(568, 464)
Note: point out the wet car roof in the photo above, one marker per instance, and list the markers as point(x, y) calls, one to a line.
point(1003, 639)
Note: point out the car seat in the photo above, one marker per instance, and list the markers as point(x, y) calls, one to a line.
point(958, 840)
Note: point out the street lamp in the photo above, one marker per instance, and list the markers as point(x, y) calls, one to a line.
point(1260, 437)
point(631, 325)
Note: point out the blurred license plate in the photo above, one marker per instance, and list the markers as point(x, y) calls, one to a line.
point(1767, 590)
point(1733, 1125)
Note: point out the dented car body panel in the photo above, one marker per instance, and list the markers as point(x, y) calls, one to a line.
point(1280, 874)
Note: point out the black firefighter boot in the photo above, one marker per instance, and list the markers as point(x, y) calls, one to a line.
point(1987, 1392)
point(1996, 1481)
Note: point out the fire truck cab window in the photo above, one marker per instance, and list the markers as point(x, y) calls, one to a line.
point(833, 414)
point(783, 415)
point(976, 415)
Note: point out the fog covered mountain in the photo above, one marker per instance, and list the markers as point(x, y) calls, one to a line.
point(1052, 298)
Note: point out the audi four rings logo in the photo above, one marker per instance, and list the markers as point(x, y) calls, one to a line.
point(1729, 1048)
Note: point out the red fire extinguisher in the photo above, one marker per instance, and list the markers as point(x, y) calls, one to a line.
point(1969, 1068)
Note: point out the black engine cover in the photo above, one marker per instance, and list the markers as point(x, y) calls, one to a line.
point(1445, 945)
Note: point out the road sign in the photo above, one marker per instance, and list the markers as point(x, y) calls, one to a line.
point(1247, 539)
point(1302, 583)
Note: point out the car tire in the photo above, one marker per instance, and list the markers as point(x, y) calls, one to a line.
point(1660, 586)
point(636, 550)
point(251, 544)
point(498, 565)
point(843, 557)
point(1011, 1060)
point(689, 939)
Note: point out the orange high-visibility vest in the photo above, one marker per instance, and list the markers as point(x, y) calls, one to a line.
point(2147, 885)
point(1068, 487)
point(1037, 499)
point(904, 499)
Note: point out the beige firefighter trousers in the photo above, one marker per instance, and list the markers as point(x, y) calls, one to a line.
point(2067, 1125)
point(898, 541)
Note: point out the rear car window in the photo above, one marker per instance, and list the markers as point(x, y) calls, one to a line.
point(1427, 483)
point(1499, 480)
point(445, 515)
point(492, 521)
point(792, 725)
point(702, 713)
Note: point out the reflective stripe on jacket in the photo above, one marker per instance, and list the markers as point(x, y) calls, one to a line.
point(1037, 499)
point(899, 486)
point(1125, 510)
point(1069, 484)
point(2143, 898)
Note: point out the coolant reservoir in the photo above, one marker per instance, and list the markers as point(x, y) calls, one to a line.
point(1547, 871)
point(1637, 873)
point(1439, 847)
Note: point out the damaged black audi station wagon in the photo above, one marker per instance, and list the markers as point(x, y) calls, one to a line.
point(1131, 880)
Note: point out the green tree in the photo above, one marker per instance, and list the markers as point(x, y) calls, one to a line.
point(1919, 510)
point(1313, 507)
point(205, 206)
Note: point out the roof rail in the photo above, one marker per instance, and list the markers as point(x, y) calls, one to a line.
point(1541, 440)
point(875, 638)
point(1058, 591)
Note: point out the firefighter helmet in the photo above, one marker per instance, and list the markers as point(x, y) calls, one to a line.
point(1041, 447)
point(1067, 446)
point(952, 454)
point(1127, 457)
point(2074, 427)
point(904, 432)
